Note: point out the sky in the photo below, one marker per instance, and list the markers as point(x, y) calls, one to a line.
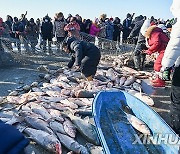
point(86, 8)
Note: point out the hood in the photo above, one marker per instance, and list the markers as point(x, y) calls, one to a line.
point(175, 8)
point(145, 26)
point(152, 29)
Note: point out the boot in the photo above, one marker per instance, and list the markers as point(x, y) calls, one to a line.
point(137, 62)
point(143, 57)
point(89, 78)
point(159, 83)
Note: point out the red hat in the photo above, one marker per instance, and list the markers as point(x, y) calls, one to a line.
point(111, 19)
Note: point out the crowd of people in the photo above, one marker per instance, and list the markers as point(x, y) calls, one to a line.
point(151, 36)
point(29, 31)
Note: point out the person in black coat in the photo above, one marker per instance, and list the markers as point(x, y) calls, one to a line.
point(136, 29)
point(47, 32)
point(127, 27)
point(86, 56)
point(117, 29)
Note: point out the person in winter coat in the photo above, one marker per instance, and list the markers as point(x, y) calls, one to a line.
point(32, 31)
point(58, 28)
point(136, 29)
point(139, 56)
point(172, 59)
point(117, 29)
point(47, 32)
point(86, 56)
point(94, 29)
point(102, 26)
point(157, 41)
point(73, 28)
point(127, 27)
point(79, 21)
point(109, 29)
point(87, 25)
point(16, 33)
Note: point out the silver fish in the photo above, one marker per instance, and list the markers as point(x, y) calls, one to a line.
point(122, 80)
point(129, 80)
point(46, 140)
point(71, 144)
point(56, 114)
point(84, 94)
point(85, 128)
point(38, 124)
point(57, 127)
point(66, 102)
point(42, 111)
point(138, 124)
point(111, 74)
point(69, 128)
point(143, 97)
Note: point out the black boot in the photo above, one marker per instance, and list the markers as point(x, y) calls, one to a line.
point(137, 62)
point(143, 57)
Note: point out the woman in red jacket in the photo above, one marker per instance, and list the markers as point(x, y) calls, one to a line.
point(157, 41)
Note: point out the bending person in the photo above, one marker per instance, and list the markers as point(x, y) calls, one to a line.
point(86, 56)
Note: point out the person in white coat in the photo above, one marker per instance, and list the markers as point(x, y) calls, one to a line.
point(172, 59)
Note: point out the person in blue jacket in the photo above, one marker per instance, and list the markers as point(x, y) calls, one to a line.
point(11, 140)
point(86, 56)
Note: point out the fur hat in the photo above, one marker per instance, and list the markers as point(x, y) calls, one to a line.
point(58, 15)
point(102, 16)
point(149, 30)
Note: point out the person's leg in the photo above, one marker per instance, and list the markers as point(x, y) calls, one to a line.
point(138, 58)
point(175, 101)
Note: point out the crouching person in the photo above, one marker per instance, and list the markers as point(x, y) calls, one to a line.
point(86, 56)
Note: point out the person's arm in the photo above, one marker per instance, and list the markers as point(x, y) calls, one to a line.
point(77, 48)
point(71, 62)
point(155, 45)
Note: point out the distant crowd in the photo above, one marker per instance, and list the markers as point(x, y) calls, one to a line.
point(28, 31)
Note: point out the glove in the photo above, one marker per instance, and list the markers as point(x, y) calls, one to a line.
point(166, 74)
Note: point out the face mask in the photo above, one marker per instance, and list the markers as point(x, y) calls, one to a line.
point(46, 20)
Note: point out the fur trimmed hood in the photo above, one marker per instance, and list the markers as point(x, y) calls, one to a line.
point(149, 31)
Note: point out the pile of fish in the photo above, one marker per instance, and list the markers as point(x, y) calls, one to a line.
point(53, 111)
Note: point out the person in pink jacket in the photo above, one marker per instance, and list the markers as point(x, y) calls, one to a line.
point(94, 29)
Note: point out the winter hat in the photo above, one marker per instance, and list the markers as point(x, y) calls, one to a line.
point(149, 30)
point(102, 16)
point(145, 26)
point(58, 15)
point(175, 8)
point(163, 27)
